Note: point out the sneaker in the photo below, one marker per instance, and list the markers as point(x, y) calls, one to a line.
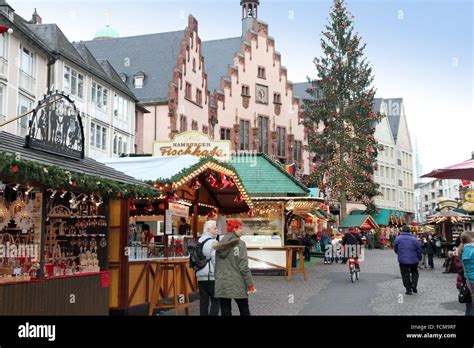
point(415, 290)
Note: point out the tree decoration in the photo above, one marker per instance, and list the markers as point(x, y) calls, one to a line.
point(346, 149)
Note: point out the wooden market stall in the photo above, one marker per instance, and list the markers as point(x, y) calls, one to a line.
point(279, 199)
point(55, 206)
point(191, 189)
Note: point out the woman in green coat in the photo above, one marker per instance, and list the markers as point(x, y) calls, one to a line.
point(233, 276)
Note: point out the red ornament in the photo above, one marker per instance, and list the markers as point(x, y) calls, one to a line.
point(132, 205)
point(15, 169)
point(119, 194)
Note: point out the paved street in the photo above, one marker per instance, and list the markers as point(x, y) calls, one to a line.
point(329, 291)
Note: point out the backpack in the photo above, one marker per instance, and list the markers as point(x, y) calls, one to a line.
point(197, 259)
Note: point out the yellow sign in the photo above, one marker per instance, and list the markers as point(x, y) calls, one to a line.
point(469, 204)
point(195, 144)
point(447, 205)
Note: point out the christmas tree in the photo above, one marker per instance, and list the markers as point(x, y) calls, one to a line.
point(340, 123)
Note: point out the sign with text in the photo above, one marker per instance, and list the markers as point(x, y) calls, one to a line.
point(179, 210)
point(193, 143)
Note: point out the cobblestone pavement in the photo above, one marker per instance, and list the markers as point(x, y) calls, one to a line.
point(329, 291)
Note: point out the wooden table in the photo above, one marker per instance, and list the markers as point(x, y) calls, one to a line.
point(175, 268)
point(289, 260)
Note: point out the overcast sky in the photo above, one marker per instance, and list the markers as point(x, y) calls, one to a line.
point(421, 51)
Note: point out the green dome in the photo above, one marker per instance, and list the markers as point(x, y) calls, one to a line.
point(106, 33)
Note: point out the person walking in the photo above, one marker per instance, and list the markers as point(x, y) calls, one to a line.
point(233, 276)
point(370, 239)
point(466, 253)
point(408, 249)
point(430, 248)
point(205, 276)
point(325, 247)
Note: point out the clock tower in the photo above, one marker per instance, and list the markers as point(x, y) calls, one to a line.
point(249, 14)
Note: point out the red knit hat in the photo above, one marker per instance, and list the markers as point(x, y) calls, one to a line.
point(233, 224)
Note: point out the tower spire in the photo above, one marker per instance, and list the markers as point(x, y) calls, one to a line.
point(249, 14)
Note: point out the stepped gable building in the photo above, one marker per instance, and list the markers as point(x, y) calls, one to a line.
point(232, 89)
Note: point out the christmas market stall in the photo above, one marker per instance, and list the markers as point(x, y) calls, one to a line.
point(56, 212)
point(192, 190)
point(282, 205)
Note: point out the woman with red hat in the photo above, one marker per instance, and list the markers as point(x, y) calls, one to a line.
point(233, 276)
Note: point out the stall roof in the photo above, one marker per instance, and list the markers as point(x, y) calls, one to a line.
point(13, 144)
point(179, 170)
point(382, 218)
point(358, 221)
point(151, 168)
point(262, 176)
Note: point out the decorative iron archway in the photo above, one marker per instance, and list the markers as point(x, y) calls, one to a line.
point(56, 127)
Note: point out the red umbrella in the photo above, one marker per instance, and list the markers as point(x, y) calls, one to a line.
point(463, 171)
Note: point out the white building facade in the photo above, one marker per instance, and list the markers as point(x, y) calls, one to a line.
point(37, 57)
point(395, 172)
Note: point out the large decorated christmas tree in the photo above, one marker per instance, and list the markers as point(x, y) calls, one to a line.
point(340, 121)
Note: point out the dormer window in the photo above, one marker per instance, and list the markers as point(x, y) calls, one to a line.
point(139, 78)
point(123, 77)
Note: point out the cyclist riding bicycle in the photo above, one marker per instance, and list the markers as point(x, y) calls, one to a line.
point(352, 242)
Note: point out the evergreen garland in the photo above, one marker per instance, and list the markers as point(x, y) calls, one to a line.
point(57, 178)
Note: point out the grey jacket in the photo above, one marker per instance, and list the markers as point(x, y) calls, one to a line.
point(207, 273)
point(233, 275)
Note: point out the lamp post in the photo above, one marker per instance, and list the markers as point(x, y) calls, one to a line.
point(5, 29)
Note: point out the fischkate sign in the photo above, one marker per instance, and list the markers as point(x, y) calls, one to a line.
point(195, 144)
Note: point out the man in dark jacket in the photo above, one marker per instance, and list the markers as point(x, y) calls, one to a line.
point(408, 249)
point(233, 276)
point(430, 249)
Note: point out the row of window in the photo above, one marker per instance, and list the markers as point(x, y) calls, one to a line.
point(246, 93)
point(73, 83)
point(188, 94)
point(183, 125)
point(262, 137)
point(98, 140)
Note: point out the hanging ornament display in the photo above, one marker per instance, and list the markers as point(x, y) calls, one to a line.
point(132, 205)
point(238, 199)
point(225, 183)
point(211, 179)
point(196, 185)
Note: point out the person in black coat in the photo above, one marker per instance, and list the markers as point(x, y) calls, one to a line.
point(430, 247)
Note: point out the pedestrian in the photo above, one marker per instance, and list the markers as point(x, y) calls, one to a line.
point(184, 228)
point(466, 253)
point(408, 249)
point(335, 249)
point(325, 247)
point(370, 239)
point(382, 240)
point(430, 248)
point(307, 243)
point(205, 276)
point(233, 276)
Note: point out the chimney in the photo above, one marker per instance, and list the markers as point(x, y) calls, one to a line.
point(472, 155)
point(36, 19)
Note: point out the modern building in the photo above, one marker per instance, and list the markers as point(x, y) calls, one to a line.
point(48, 61)
point(429, 194)
point(395, 167)
point(230, 89)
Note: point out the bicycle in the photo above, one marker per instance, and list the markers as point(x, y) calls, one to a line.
point(354, 268)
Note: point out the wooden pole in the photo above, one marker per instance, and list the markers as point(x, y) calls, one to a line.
point(195, 213)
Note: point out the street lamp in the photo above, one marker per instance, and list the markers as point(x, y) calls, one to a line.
point(5, 29)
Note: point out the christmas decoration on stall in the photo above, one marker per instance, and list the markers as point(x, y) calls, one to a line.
point(57, 178)
point(341, 123)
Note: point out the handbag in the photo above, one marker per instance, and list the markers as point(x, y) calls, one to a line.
point(464, 293)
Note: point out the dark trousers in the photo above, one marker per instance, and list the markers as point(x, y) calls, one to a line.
point(430, 260)
point(206, 296)
point(307, 254)
point(242, 303)
point(409, 276)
